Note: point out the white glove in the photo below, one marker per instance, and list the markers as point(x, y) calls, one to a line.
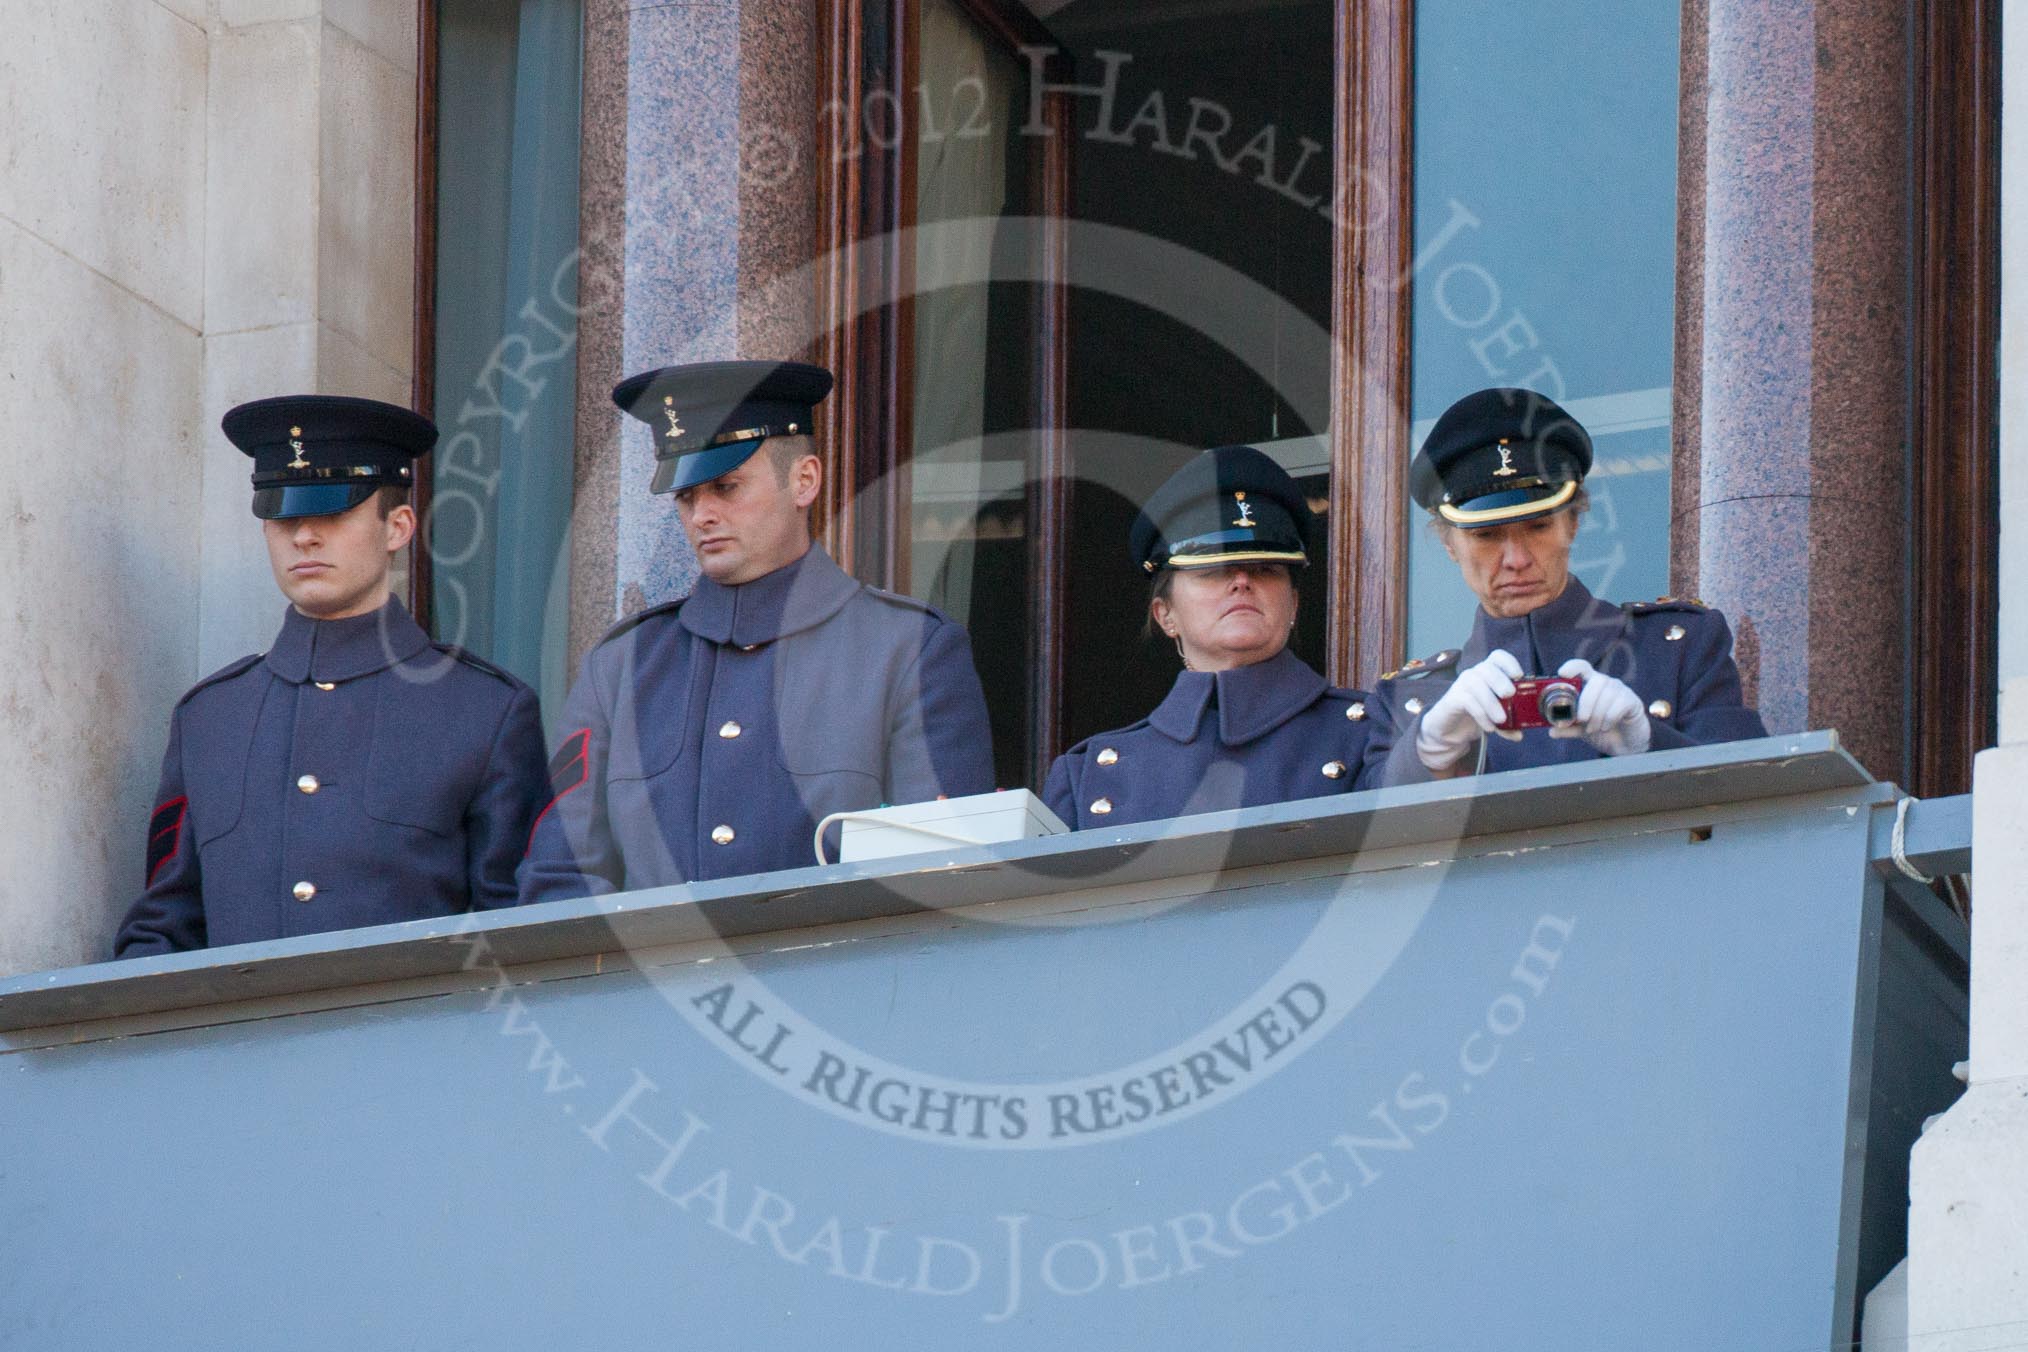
point(1609, 713)
point(1469, 709)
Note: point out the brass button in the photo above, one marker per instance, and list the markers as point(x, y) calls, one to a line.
point(722, 835)
point(308, 784)
point(304, 891)
point(1412, 704)
point(1356, 711)
point(1675, 634)
point(326, 685)
point(749, 647)
point(1101, 807)
point(1661, 708)
point(730, 729)
point(1334, 769)
point(1108, 757)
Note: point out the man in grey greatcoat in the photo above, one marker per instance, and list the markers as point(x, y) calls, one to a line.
point(707, 737)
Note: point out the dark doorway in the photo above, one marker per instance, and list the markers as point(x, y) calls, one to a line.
point(1218, 145)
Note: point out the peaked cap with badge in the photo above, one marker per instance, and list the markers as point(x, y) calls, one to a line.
point(1231, 504)
point(320, 454)
point(1267, 732)
point(710, 417)
point(1500, 455)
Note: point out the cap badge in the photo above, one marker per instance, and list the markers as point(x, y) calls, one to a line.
point(1506, 461)
point(296, 445)
point(1245, 510)
point(675, 419)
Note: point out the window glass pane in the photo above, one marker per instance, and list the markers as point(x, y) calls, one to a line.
point(1545, 190)
point(973, 362)
point(506, 357)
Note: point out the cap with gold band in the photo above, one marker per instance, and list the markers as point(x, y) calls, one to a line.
point(1498, 456)
point(322, 454)
point(710, 417)
point(1230, 505)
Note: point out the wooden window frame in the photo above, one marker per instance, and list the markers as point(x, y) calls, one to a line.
point(1953, 677)
point(423, 386)
point(1372, 286)
point(869, 45)
point(865, 202)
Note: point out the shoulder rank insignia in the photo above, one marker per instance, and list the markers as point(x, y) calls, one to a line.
point(1665, 603)
point(1429, 666)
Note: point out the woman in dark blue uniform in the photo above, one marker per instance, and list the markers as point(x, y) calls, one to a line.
point(1502, 475)
point(1247, 722)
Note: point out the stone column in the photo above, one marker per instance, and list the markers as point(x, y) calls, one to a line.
point(202, 201)
point(1791, 365)
point(101, 356)
point(310, 252)
point(700, 201)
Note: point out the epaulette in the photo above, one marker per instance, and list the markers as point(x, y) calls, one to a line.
point(474, 660)
point(225, 673)
point(1424, 666)
point(1662, 603)
point(910, 602)
point(639, 618)
point(1097, 741)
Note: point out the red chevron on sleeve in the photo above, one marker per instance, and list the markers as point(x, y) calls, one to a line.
point(165, 834)
point(569, 768)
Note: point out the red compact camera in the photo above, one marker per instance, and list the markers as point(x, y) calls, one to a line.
point(1542, 702)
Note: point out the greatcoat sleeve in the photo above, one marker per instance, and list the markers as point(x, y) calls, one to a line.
point(939, 740)
point(1059, 791)
point(502, 812)
point(571, 850)
point(1712, 707)
point(168, 917)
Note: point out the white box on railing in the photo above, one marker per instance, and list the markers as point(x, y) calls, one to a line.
point(912, 828)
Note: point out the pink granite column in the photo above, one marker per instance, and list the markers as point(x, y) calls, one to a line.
point(1791, 361)
point(698, 189)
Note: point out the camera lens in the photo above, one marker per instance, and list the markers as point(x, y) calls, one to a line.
point(1559, 703)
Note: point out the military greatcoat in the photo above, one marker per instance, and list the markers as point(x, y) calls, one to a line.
point(1265, 733)
point(706, 738)
point(356, 774)
point(1676, 655)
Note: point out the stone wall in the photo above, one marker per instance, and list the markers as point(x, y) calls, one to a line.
point(201, 201)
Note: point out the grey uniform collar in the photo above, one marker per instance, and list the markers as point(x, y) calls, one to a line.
point(793, 598)
point(1547, 637)
point(1252, 701)
point(343, 650)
